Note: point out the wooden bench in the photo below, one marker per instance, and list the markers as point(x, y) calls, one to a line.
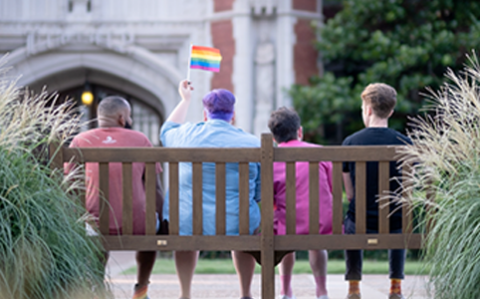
point(266, 242)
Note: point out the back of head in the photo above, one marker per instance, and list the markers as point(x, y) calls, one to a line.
point(381, 97)
point(110, 109)
point(219, 104)
point(284, 124)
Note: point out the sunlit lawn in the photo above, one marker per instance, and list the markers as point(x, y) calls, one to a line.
point(225, 266)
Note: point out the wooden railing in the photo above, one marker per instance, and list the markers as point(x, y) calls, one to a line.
point(267, 243)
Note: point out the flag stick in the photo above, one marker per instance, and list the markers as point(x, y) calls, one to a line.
point(189, 61)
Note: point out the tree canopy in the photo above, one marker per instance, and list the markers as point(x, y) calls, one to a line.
point(408, 44)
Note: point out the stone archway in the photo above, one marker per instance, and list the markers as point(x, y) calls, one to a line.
point(149, 82)
point(132, 69)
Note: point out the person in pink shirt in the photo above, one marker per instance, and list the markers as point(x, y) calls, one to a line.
point(285, 126)
point(114, 120)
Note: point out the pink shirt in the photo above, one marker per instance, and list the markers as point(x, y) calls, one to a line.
point(115, 137)
point(302, 194)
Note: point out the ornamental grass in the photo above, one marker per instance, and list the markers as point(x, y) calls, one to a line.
point(44, 251)
point(446, 149)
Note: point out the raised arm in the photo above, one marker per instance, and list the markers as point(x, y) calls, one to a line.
point(179, 114)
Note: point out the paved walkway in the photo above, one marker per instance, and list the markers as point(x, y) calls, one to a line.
point(226, 286)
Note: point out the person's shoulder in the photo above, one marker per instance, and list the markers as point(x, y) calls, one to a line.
point(135, 138)
point(177, 128)
point(246, 139)
point(353, 138)
point(86, 138)
point(168, 125)
point(402, 139)
point(91, 132)
point(307, 144)
point(134, 133)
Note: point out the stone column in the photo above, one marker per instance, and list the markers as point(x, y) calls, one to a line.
point(264, 82)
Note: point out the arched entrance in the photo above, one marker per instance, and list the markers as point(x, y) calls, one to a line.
point(147, 111)
point(146, 118)
point(147, 82)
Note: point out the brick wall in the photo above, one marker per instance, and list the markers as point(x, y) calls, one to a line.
point(304, 53)
point(222, 38)
point(307, 5)
point(222, 5)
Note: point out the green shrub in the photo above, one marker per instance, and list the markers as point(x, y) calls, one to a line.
point(407, 44)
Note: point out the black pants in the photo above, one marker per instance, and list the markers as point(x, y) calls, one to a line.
point(354, 258)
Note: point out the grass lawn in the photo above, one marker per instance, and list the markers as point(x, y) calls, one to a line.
point(225, 266)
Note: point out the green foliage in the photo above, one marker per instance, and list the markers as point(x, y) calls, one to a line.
point(44, 251)
point(407, 44)
point(449, 170)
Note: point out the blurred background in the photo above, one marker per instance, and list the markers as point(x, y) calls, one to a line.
point(314, 55)
point(139, 49)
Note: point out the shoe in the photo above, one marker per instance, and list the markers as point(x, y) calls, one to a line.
point(286, 297)
point(395, 296)
point(140, 292)
point(354, 296)
point(323, 297)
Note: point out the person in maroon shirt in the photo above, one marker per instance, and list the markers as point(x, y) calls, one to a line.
point(114, 120)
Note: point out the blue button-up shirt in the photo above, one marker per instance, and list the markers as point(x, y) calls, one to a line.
point(213, 133)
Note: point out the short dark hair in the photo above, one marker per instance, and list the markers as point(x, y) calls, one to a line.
point(381, 97)
point(110, 105)
point(284, 124)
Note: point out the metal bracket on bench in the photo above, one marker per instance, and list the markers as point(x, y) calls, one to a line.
point(162, 242)
point(373, 241)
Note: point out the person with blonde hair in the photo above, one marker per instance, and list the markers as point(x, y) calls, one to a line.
point(378, 102)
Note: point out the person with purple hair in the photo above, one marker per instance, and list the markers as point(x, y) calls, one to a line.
point(216, 130)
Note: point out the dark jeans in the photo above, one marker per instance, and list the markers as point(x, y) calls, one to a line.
point(354, 258)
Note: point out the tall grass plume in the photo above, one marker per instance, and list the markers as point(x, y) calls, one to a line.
point(446, 149)
point(44, 251)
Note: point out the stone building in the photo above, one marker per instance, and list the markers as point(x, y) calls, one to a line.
point(140, 49)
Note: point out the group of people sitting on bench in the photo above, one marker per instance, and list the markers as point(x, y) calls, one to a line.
point(217, 130)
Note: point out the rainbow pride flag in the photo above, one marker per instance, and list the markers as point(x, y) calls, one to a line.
point(205, 58)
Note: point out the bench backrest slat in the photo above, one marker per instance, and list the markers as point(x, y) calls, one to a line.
point(104, 204)
point(197, 195)
point(337, 183)
point(220, 201)
point(173, 225)
point(313, 194)
point(243, 199)
point(407, 217)
point(360, 197)
point(383, 189)
point(150, 194)
point(127, 209)
point(290, 193)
